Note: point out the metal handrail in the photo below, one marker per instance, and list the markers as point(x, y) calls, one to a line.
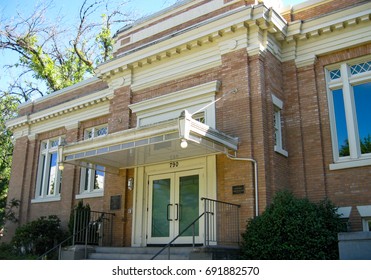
point(175, 238)
point(168, 245)
point(86, 228)
point(60, 244)
point(223, 202)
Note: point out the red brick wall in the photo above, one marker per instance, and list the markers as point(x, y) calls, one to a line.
point(309, 138)
point(329, 7)
point(177, 27)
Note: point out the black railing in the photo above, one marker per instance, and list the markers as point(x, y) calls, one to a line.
point(97, 228)
point(221, 221)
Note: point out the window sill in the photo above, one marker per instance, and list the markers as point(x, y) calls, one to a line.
point(46, 199)
point(89, 195)
point(350, 164)
point(281, 151)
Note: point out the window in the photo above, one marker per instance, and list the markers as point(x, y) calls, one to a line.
point(48, 184)
point(94, 132)
point(367, 224)
point(200, 117)
point(92, 177)
point(278, 139)
point(349, 94)
point(92, 181)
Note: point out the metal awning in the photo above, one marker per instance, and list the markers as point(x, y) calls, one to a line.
point(149, 145)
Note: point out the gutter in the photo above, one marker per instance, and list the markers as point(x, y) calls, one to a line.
point(255, 179)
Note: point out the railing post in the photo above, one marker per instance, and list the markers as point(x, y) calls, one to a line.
point(60, 252)
point(206, 217)
point(86, 241)
point(74, 226)
point(193, 235)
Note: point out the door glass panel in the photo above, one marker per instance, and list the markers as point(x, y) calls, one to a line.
point(160, 201)
point(188, 203)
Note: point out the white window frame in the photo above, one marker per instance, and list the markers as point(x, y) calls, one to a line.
point(92, 132)
point(346, 81)
point(278, 145)
point(42, 193)
point(87, 175)
point(366, 223)
point(88, 178)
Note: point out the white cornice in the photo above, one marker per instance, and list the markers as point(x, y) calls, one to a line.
point(61, 109)
point(195, 36)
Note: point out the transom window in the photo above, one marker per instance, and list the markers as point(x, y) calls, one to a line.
point(97, 131)
point(349, 94)
point(49, 176)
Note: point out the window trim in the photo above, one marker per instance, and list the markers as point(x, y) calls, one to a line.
point(43, 168)
point(91, 192)
point(346, 82)
point(278, 145)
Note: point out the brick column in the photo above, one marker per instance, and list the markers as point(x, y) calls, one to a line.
point(16, 184)
point(311, 133)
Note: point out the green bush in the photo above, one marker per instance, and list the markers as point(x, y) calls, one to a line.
point(292, 228)
point(39, 236)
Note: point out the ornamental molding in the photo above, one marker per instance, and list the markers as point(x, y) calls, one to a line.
point(61, 109)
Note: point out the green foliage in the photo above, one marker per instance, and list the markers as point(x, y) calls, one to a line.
point(8, 252)
point(39, 236)
point(80, 207)
point(365, 145)
point(8, 108)
point(292, 228)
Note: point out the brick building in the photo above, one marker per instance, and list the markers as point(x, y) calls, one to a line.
point(225, 100)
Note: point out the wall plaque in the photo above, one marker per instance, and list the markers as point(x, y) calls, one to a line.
point(238, 189)
point(115, 203)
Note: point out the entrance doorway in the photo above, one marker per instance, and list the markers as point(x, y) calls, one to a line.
point(173, 204)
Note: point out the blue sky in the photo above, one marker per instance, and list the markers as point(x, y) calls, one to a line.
point(8, 9)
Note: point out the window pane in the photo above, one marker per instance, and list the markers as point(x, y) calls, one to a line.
point(360, 68)
point(102, 131)
point(362, 99)
point(52, 174)
point(99, 178)
point(335, 74)
point(341, 127)
point(86, 180)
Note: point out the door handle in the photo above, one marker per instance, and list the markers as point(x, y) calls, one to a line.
point(167, 212)
point(177, 211)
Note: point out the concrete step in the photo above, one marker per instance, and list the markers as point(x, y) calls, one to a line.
point(135, 253)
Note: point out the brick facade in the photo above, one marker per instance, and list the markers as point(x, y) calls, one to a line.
point(258, 72)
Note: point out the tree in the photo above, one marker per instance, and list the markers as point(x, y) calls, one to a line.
point(292, 228)
point(365, 145)
point(8, 108)
point(52, 56)
point(60, 56)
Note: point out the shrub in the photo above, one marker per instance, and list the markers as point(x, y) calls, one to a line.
point(38, 236)
point(292, 228)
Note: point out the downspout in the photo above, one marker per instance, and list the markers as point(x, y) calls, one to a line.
point(255, 179)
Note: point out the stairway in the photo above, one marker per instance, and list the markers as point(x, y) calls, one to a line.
point(138, 253)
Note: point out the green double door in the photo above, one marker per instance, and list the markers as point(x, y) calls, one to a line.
point(174, 203)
